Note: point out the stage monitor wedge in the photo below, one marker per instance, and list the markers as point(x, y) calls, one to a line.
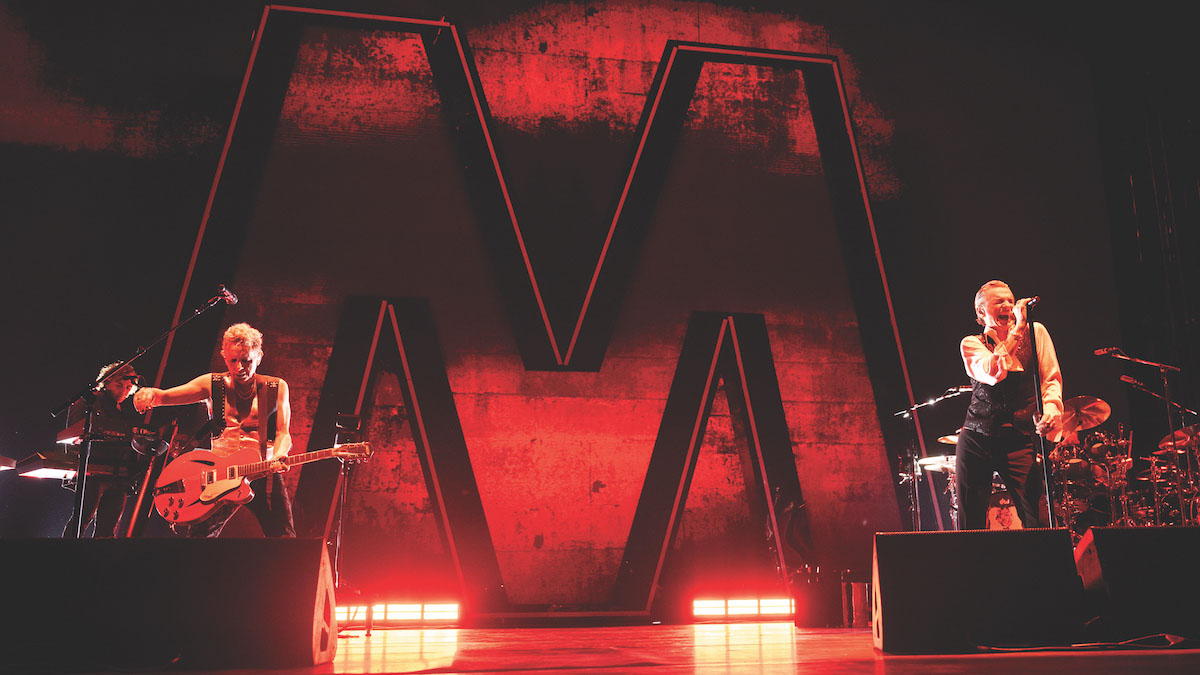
point(944, 592)
point(103, 604)
point(1143, 581)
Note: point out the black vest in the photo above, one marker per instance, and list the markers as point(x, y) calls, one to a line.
point(1010, 401)
point(268, 402)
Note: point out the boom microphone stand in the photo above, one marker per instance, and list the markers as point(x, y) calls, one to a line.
point(911, 459)
point(348, 430)
point(88, 394)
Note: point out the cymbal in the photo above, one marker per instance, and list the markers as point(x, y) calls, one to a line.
point(1180, 441)
point(950, 439)
point(937, 463)
point(1083, 412)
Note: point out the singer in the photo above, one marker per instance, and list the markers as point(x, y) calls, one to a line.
point(998, 431)
point(246, 400)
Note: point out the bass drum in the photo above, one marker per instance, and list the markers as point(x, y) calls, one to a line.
point(1001, 513)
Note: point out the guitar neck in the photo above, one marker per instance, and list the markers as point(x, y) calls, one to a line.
point(256, 468)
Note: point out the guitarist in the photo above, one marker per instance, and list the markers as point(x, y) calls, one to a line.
point(245, 400)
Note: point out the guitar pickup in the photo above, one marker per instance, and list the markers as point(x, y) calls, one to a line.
point(169, 488)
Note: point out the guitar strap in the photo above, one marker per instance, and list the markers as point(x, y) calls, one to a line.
point(268, 398)
point(218, 400)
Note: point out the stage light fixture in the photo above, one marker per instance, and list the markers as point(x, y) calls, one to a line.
point(60, 465)
point(743, 608)
point(776, 606)
point(708, 607)
point(394, 614)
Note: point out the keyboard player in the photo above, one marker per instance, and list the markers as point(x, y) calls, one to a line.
point(104, 500)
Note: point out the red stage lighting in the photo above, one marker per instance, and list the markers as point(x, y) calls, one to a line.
point(742, 609)
point(398, 614)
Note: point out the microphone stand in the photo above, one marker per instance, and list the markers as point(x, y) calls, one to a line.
point(88, 394)
point(911, 458)
point(1175, 405)
point(1163, 371)
point(1043, 452)
point(349, 426)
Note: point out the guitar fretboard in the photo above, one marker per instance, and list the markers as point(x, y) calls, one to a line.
point(264, 467)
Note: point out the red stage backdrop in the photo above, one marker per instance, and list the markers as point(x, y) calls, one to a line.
point(357, 174)
point(362, 194)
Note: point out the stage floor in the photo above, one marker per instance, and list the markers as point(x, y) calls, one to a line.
point(701, 648)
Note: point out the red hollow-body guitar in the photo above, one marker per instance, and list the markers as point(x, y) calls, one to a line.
point(195, 484)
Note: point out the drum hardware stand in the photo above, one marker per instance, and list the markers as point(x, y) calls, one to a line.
point(908, 474)
point(909, 461)
point(1119, 502)
point(1155, 473)
point(88, 394)
point(953, 490)
point(1118, 488)
point(1068, 517)
point(1164, 371)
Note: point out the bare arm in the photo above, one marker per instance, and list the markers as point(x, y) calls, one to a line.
point(199, 389)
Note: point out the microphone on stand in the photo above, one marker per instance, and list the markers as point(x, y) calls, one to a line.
point(227, 295)
point(1129, 380)
point(1107, 351)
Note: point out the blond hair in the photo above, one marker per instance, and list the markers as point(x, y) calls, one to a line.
point(108, 368)
point(242, 334)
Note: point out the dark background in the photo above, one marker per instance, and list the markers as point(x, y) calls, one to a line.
point(1053, 148)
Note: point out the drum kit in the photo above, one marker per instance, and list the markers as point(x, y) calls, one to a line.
point(1096, 478)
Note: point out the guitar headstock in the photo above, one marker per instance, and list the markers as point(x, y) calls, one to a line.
point(352, 452)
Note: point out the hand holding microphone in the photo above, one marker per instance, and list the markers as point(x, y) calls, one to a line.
point(1021, 311)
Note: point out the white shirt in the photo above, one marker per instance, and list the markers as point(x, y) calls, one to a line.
point(992, 366)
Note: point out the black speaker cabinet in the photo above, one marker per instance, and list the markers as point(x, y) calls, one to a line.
point(940, 592)
point(111, 603)
point(1142, 580)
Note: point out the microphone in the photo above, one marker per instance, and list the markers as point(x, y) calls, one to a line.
point(227, 295)
point(1107, 351)
point(1129, 380)
point(960, 389)
point(1033, 302)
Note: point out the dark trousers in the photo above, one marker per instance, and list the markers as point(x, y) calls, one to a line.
point(103, 501)
point(271, 505)
point(1008, 452)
